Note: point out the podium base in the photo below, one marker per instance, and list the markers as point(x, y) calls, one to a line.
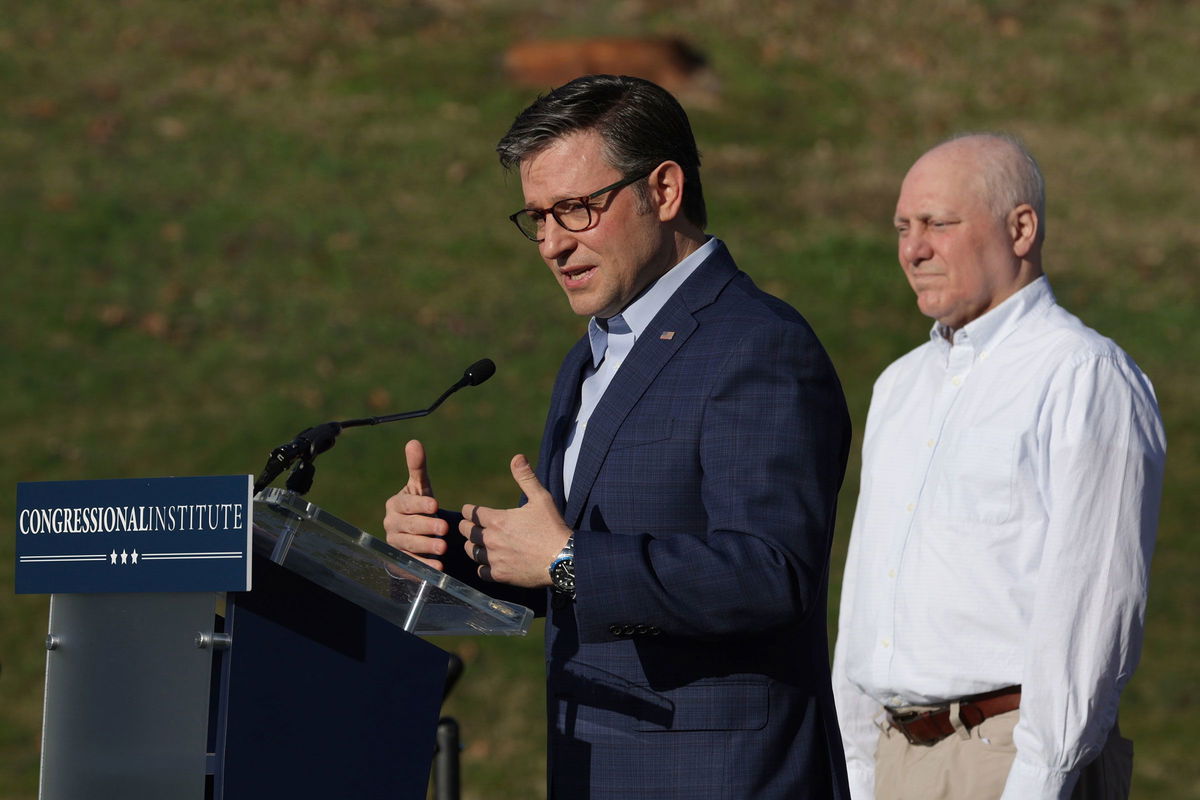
point(320, 698)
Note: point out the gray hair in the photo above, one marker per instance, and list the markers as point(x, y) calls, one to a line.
point(1011, 175)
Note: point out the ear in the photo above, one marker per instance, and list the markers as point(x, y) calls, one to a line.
point(666, 190)
point(1023, 224)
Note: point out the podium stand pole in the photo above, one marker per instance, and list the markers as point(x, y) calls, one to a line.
point(127, 693)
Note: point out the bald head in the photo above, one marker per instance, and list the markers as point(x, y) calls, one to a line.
point(1007, 173)
point(969, 226)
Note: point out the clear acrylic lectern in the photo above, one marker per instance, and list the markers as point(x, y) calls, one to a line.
point(310, 686)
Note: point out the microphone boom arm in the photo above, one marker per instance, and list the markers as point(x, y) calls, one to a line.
point(311, 442)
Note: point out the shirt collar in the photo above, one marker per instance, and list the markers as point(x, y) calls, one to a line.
point(989, 330)
point(638, 314)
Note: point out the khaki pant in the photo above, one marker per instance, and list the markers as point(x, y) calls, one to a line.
point(976, 767)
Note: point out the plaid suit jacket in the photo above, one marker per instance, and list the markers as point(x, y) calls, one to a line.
point(693, 663)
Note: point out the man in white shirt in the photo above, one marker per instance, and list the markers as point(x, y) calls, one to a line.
point(995, 586)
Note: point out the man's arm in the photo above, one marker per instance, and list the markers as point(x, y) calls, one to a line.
point(858, 712)
point(1102, 448)
point(772, 453)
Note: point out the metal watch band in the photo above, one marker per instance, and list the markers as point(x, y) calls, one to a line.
point(562, 569)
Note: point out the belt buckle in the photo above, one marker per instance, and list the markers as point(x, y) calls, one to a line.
point(901, 721)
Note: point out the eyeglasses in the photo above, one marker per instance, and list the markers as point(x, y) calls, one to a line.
point(574, 213)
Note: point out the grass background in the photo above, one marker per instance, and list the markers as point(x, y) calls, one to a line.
point(221, 222)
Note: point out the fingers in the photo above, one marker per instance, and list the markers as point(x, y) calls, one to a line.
point(478, 553)
point(529, 484)
point(409, 527)
point(410, 523)
point(418, 470)
point(429, 562)
point(417, 544)
point(411, 514)
point(471, 530)
point(478, 516)
point(525, 477)
point(426, 549)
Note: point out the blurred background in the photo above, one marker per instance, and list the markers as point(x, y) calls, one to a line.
point(223, 222)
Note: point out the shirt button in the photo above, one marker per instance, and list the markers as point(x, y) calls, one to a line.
point(886, 643)
point(909, 507)
point(891, 573)
point(957, 381)
point(929, 443)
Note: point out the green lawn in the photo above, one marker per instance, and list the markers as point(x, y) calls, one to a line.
point(224, 222)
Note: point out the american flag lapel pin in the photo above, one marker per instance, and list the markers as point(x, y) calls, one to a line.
point(667, 335)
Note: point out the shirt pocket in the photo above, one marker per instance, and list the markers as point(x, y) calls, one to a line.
point(975, 480)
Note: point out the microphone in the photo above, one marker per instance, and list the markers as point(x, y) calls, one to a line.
point(479, 372)
point(311, 442)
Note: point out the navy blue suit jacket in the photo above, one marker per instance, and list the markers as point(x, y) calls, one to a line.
point(693, 663)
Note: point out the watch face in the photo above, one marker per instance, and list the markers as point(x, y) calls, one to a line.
point(562, 569)
point(562, 574)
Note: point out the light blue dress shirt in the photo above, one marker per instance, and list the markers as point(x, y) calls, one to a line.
point(612, 339)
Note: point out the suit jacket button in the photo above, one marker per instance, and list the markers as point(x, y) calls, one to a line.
point(654, 631)
point(628, 630)
point(642, 630)
point(615, 630)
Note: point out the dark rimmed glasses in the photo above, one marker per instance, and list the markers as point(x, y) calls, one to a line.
point(574, 213)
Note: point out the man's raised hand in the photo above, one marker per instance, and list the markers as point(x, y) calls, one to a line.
point(410, 520)
point(516, 545)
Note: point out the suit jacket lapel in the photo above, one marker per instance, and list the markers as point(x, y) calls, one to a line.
point(647, 358)
point(563, 402)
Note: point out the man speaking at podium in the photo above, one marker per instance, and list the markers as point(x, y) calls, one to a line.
point(678, 524)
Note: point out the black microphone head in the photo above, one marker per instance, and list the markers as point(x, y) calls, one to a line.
point(479, 372)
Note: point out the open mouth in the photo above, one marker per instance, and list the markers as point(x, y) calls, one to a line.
point(576, 276)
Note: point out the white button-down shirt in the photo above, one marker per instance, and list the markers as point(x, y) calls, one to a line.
point(1006, 517)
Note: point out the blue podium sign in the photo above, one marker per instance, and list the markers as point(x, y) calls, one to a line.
point(134, 535)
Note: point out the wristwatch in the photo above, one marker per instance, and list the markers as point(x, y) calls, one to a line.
point(562, 569)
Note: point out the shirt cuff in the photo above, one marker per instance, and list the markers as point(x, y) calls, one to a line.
point(1032, 782)
point(862, 783)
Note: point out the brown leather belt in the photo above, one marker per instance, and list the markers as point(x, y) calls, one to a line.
point(930, 727)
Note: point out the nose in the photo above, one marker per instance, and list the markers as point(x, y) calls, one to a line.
point(557, 242)
point(914, 248)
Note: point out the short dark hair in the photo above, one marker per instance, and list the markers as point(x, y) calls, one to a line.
point(640, 123)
